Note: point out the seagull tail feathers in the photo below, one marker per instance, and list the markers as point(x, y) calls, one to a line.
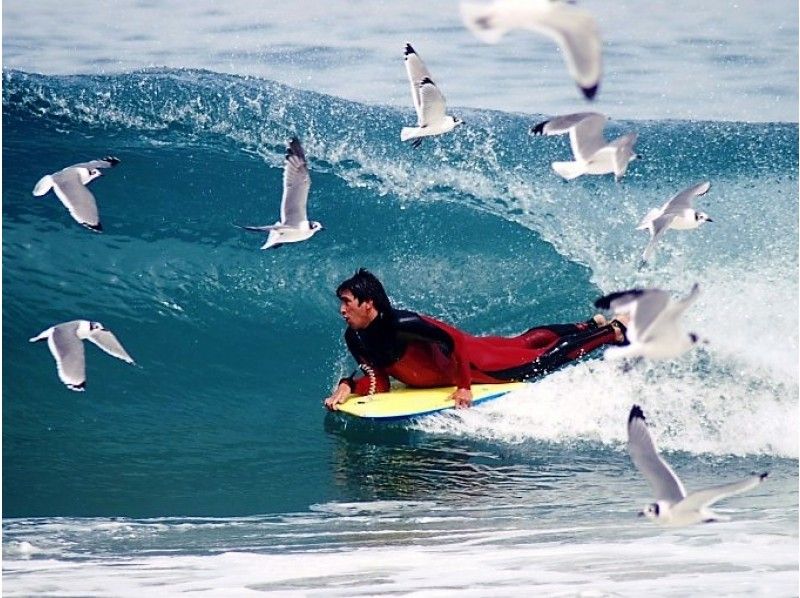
point(482, 22)
point(569, 170)
point(43, 186)
point(409, 133)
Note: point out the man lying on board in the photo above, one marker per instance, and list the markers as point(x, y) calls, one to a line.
point(423, 352)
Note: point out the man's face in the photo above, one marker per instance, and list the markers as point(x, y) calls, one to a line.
point(357, 315)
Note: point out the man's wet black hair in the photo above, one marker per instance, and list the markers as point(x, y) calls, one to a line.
point(365, 286)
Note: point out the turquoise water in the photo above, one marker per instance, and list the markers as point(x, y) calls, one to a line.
point(211, 467)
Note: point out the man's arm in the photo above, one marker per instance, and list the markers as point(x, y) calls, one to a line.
point(338, 396)
point(374, 380)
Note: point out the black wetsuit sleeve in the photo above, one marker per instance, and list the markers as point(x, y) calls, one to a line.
point(376, 380)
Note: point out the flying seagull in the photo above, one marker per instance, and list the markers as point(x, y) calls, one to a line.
point(573, 29)
point(654, 330)
point(593, 154)
point(673, 506)
point(677, 213)
point(432, 118)
point(69, 185)
point(65, 343)
point(294, 224)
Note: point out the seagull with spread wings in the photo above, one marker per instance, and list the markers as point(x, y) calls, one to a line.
point(294, 225)
point(654, 329)
point(573, 29)
point(677, 213)
point(593, 154)
point(69, 185)
point(65, 341)
point(432, 118)
point(673, 506)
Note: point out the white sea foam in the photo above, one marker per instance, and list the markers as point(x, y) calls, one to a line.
point(720, 414)
point(743, 558)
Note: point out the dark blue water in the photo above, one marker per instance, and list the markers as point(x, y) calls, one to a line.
point(236, 347)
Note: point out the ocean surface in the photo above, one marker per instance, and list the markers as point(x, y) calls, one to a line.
point(211, 468)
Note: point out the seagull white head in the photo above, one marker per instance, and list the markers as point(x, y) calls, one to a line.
point(88, 174)
point(86, 328)
point(656, 510)
point(702, 217)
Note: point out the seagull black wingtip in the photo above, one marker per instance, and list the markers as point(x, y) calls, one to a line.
point(112, 160)
point(539, 128)
point(605, 302)
point(636, 413)
point(409, 49)
point(590, 92)
point(293, 148)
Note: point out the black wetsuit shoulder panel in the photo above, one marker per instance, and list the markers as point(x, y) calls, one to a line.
point(412, 326)
point(385, 340)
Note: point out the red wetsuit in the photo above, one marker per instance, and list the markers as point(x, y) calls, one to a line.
point(421, 351)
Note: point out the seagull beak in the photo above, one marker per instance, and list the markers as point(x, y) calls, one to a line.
point(640, 514)
point(709, 220)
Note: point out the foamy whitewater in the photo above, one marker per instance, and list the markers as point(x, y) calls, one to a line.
point(212, 469)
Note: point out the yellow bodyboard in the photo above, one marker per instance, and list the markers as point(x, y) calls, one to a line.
point(402, 403)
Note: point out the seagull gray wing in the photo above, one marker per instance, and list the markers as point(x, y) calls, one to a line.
point(684, 199)
point(296, 183)
point(107, 162)
point(417, 71)
point(76, 197)
point(585, 131)
point(67, 349)
point(674, 309)
point(586, 137)
point(623, 147)
point(643, 452)
point(433, 104)
point(705, 498)
point(576, 33)
point(625, 142)
point(485, 21)
point(647, 310)
point(562, 124)
point(660, 226)
point(106, 340)
point(643, 305)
